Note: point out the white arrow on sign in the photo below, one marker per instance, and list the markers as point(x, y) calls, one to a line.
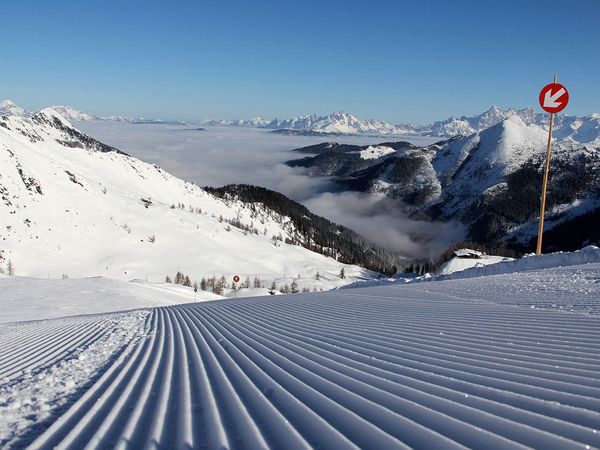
point(550, 99)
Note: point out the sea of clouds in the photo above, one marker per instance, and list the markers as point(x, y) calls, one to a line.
point(217, 156)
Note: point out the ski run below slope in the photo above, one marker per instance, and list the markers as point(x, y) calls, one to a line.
point(25, 298)
point(444, 364)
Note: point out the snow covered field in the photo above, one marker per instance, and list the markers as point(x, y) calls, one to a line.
point(24, 298)
point(443, 364)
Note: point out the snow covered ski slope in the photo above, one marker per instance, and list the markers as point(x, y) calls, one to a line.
point(45, 365)
point(383, 367)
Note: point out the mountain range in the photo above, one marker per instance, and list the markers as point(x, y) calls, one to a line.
point(73, 206)
point(9, 108)
point(584, 129)
point(581, 129)
point(489, 180)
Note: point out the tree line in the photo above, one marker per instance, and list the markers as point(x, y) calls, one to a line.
point(314, 232)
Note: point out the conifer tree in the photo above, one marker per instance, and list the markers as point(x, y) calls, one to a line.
point(218, 288)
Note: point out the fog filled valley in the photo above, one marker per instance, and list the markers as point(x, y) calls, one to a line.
point(216, 156)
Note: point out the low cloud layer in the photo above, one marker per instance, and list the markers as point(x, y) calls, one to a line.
point(220, 156)
point(382, 221)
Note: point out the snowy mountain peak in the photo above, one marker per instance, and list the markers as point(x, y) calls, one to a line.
point(9, 108)
point(585, 130)
point(70, 113)
point(342, 115)
point(257, 122)
point(50, 116)
point(512, 142)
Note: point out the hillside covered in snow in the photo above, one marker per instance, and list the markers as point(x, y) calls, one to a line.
point(72, 206)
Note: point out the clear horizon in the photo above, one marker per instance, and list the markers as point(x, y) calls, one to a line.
point(394, 62)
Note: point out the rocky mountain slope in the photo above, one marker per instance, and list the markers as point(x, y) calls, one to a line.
point(489, 180)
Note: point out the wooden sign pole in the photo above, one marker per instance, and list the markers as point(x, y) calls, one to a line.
point(545, 185)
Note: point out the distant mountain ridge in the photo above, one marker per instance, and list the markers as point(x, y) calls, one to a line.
point(585, 129)
point(336, 123)
point(581, 129)
point(9, 108)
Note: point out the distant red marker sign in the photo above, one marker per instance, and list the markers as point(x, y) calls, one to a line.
point(554, 98)
point(236, 278)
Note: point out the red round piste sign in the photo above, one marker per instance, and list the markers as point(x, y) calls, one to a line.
point(554, 98)
point(236, 278)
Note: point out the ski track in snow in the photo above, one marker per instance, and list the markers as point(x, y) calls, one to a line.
point(45, 364)
point(372, 368)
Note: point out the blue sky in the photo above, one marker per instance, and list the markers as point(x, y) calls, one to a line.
point(401, 61)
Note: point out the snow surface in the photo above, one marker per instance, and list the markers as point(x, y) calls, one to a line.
point(467, 252)
point(23, 298)
point(589, 254)
point(45, 366)
point(458, 264)
point(376, 151)
point(443, 364)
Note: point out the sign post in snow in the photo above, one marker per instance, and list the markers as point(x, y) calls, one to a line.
point(553, 99)
point(235, 280)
